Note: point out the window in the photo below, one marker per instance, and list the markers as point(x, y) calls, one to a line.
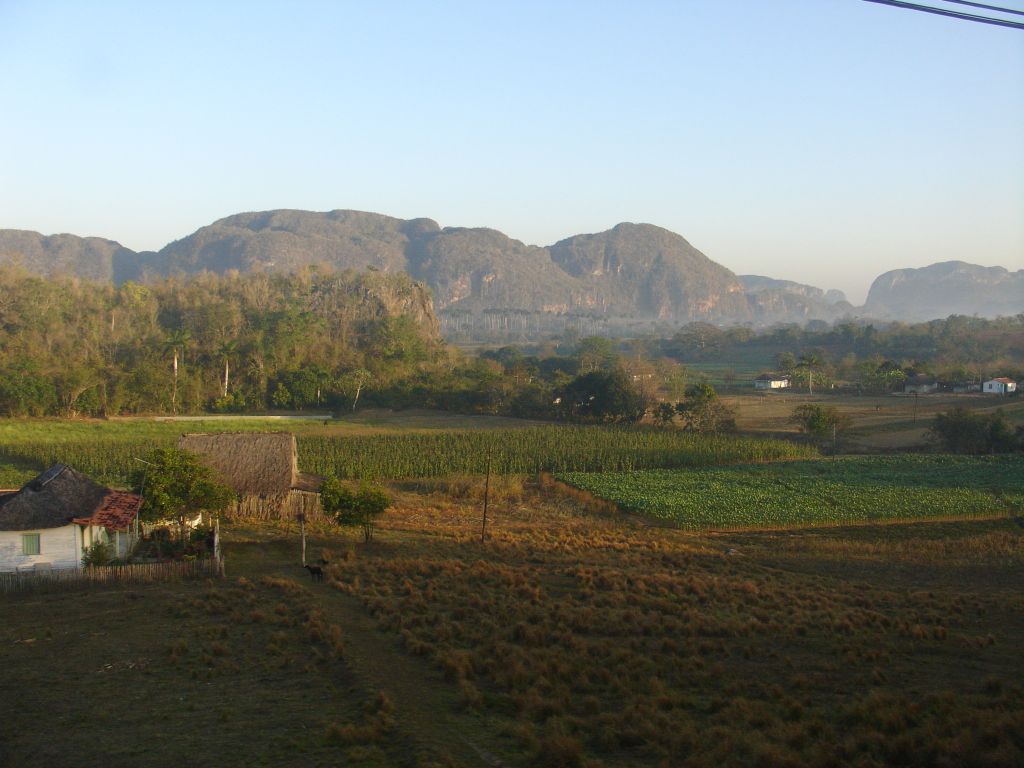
point(30, 543)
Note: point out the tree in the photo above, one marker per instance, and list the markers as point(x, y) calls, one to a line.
point(664, 414)
point(961, 431)
point(225, 351)
point(701, 411)
point(786, 362)
point(809, 362)
point(595, 353)
point(175, 344)
point(359, 509)
point(601, 396)
point(353, 382)
point(175, 484)
point(819, 420)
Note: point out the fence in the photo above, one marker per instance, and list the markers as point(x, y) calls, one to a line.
point(114, 575)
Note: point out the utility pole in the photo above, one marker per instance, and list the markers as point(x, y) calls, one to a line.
point(487, 493)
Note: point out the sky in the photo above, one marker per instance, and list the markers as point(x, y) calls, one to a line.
point(823, 141)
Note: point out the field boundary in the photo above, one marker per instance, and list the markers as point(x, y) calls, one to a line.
point(114, 575)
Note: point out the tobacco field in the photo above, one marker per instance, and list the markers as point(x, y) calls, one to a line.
point(848, 490)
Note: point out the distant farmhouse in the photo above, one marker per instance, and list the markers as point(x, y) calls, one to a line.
point(772, 381)
point(921, 385)
point(54, 519)
point(263, 468)
point(1000, 386)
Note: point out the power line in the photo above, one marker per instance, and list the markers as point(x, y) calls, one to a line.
point(986, 7)
point(951, 14)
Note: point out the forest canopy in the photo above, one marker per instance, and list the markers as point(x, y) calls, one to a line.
point(223, 343)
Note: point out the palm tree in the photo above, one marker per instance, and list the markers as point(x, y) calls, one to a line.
point(809, 362)
point(175, 344)
point(225, 350)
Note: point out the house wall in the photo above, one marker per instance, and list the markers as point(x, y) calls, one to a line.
point(774, 384)
point(60, 547)
point(999, 388)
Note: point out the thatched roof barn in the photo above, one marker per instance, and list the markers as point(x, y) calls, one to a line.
point(261, 463)
point(262, 467)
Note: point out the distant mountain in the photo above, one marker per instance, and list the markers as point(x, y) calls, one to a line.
point(784, 299)
point(631, 278)
point(947, 288)
point(760, 284)
point(92, 258)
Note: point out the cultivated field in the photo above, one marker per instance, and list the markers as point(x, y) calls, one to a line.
point(848, 489)
point(108, 451)
point(571, 637)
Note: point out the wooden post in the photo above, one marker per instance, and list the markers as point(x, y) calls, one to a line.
point(302, 529)
point(487, 493)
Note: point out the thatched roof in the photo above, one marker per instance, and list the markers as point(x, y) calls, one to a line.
point(252, 462)
point(61, 496)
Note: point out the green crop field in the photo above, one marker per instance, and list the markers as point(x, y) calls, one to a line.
point(848, 490)
point(528, 450)
point(108, 452)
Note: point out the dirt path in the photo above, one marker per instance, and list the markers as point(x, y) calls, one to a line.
point(425, 703)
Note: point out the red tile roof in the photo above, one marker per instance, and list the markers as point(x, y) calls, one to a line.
point(117, 510)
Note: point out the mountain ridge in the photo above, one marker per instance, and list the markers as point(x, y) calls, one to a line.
point(633, 277)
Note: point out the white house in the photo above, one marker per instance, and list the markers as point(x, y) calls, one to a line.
point(1000, 386)
point(772, 381)
point(56, 517)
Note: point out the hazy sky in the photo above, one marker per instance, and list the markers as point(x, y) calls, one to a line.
point(824, 141)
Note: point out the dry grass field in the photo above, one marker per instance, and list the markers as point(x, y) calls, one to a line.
point(878, 423)
point(571, 636)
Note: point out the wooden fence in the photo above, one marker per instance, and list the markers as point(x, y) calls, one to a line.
point(113, 575)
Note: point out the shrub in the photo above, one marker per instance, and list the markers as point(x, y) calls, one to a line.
point(97, 554)
point(961, 431)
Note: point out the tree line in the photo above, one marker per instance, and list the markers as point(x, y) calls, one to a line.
point(228, 343)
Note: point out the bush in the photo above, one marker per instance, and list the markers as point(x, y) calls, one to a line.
point(356, 509)
point(819, 420)
point(961, 431)
point(97, 554)
point(701, 411)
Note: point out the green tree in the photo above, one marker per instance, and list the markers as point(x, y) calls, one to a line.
point(664, 414)
point(601, 396)
point(225, 351)
point(810, 362)
point(702, 411)
point(961, 431)
point(175, 484)
point(358, 509)
point(595, 353)
point(175, 345)
point(819, 420)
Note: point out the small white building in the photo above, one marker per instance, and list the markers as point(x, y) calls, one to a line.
point(1000, 386)
point(56, 517)
point(772, 381)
